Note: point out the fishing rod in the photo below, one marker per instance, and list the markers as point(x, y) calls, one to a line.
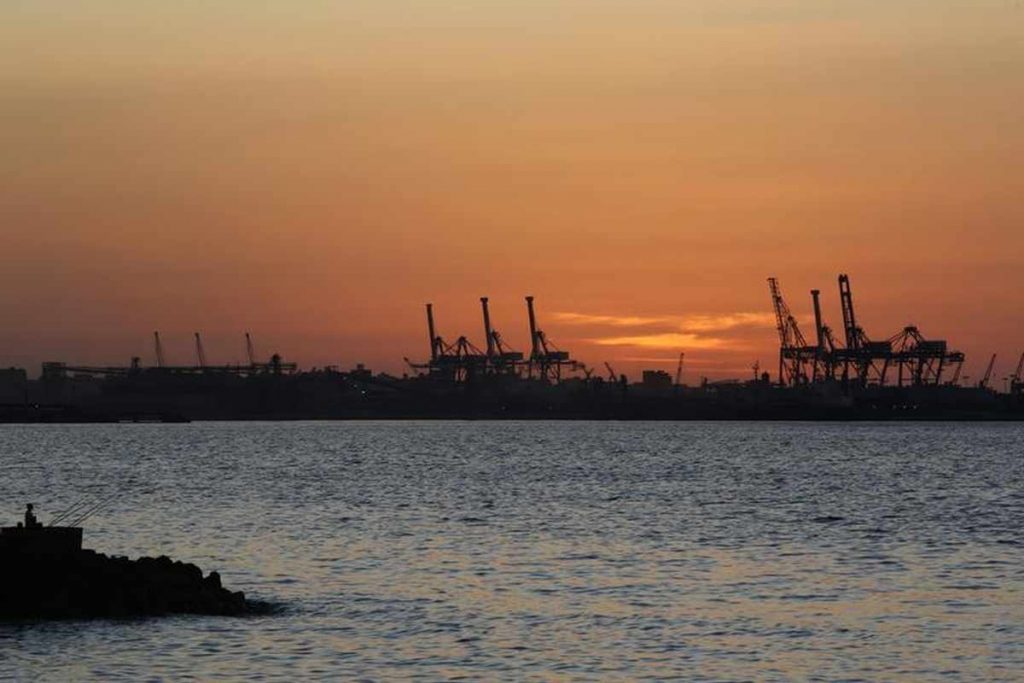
point(91, 510)
point(77, 507)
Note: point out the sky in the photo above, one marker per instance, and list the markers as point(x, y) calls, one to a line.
point(315, 172)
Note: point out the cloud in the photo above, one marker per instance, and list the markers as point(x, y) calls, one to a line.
point(696, 324)
point(728, 321)
point(674, 360)
point(706, 331)
point(664, 340)
point(613, 320)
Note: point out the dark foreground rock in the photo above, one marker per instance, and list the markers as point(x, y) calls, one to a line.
point(87, 584)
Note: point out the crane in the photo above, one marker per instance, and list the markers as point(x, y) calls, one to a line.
point(679, 370)
point(200, 354)
point(1017, 381)
point(159, 350)
point(794, 353)
point(612, 377)
point(546, 356)
point(434, 339)
point(250, 350)
point(983, 384)
point(854, 334)
point(870, 359)
point(488, 330)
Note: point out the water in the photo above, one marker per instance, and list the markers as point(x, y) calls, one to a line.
point(546, 551)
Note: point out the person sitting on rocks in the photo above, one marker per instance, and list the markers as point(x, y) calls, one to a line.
point(30, 518)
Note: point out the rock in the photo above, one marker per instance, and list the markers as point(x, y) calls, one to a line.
point(86, 584)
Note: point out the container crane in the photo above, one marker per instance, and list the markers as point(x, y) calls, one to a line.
point(200, 354)
point(1017, 380)
point(869, 359)
point(795, 355)
point(158, 347)
point(459, 361)
point(548, 358)
point(488, 332)
point(612, 377)
point(434, 339)
point(983, 384)
point(250, 351)
point(500, 357)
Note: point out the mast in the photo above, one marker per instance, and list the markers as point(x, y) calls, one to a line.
point(488, 332)
point(430, 329)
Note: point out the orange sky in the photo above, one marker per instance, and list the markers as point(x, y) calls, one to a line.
point(314, 172)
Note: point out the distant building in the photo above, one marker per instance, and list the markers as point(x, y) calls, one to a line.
point(656, 379)
point(13, 385)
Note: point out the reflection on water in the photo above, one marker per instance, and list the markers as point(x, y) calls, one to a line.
point(551, 551)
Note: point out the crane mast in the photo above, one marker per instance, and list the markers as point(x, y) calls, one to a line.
point(200, 353)
point(794, 354)
point(250, 350)
point(612, 377)
point(158, 347)
point(488, 331)
point(1017, 381)
point(988, 373)
point(853, 332)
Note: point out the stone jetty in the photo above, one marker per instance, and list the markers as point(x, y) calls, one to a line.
point(45, 574)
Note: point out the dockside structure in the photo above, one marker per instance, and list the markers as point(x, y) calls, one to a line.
point(907, 358)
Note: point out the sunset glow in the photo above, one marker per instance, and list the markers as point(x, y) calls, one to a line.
point(315, 172)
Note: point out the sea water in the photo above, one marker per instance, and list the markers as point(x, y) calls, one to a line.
point(544, 550)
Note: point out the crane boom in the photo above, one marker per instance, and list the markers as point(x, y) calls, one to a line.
point(612, 377)
point(679, 370)
point(781, 311)
point(250, 350)
point(534, 346)
point(988, 372)
point(488, 330)
point(159, 350)
point(853, 335)
point(200, 354)
point(793, 350)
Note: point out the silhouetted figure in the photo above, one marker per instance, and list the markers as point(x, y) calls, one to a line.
point(30, 518)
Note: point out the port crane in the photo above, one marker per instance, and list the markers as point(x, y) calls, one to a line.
point(159, 350)
point(500, 358)
point(544, 355)
point(795, 355)
point(456, 362)
point(275, 366)
point(250, 351)
point(679, 370)
point(920, 361)
point(461, 361)
point(1017, 379)
point(200, 353)
point(983, 384)
point(869, 360)
point(612, 377)
point(915, 359)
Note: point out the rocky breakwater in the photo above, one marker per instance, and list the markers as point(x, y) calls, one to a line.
point(44, 576)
